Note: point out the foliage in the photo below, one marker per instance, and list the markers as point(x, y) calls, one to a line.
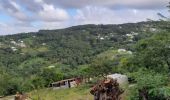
point(49, 75)
point(154, 53)
point(149, 85)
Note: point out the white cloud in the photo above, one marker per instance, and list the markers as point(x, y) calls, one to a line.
point(96, 15)
point(100, 15)
point(136, 4)
point(54, 25)
point(14, 10)
point(49, 13)
point(15, 5)
point(53, 14)
point(25, 10)
point(18, 15)
point(3, 25)
point(12, 29)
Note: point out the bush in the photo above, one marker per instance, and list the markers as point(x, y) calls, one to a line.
point(149, 85)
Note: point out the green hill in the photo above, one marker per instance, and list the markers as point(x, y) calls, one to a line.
point(25, 58)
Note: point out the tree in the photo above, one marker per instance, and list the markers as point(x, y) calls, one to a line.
point(82, 71)
point(101, 66)
point(8, 84)
point(153, 53)
point(149, 86)
point(50, 75)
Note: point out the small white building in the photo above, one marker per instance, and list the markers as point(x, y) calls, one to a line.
point(101, 38)
point(124, 51)
point(13, 42)
point(129, 52)
point(68, 83)
point(51, 66)
point(14, 48)
point(43, 44)
point(121, 50)
point(153, 29)
point(134, 33)
point(22, 45)
point(130, 36)
point(1, 44)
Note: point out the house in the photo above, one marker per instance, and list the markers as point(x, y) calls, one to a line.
point(14, 48)
point(67, 83)
point(121, 50)
point(43, 44)
point(101, 38)
point(124, 51)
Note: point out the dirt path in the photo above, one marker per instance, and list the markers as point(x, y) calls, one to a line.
point(8, 98)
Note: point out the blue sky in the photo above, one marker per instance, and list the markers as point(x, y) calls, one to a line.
point(18, 16)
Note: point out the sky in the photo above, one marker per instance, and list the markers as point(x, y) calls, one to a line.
point(17, 16)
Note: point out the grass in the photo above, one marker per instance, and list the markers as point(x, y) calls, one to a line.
point(62, 94)
point(77, 93)
point(67, 94)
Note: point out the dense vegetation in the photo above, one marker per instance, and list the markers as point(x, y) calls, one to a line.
point(31, 61)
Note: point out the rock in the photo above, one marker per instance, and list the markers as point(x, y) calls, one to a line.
point(121, 79)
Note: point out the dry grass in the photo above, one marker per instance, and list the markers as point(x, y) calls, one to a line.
point(78, 93)
point(62, 94)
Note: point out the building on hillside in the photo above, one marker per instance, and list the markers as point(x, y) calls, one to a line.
point(14, 48)
point(68, 83)
point(121, 50)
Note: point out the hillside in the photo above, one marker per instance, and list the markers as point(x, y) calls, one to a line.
point(75, 45)
point(27, 60)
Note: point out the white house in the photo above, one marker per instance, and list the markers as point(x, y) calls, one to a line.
point(121, 50)
point(14, 48)
point(101, 38)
